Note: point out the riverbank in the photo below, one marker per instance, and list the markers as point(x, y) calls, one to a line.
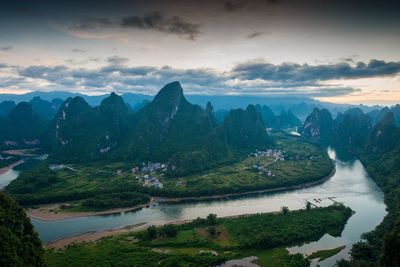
point(53, 212)
point(92, 236)
point(254, 192)
point(9, 167)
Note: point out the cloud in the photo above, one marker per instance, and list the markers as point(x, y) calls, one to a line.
point(6, 48)
point(159, 22)
point(232, 6)
point(77, 50)
point(254, 34)
point(155, 21)
point(248, 78)
point(90, 24)
point(292, 72)
point(117, 60)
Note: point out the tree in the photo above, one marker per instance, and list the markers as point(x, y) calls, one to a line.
point(212, 219)
point(151, 232)
point(20, 244)
point(391, 247)
point(284, 209)
point(170, 230)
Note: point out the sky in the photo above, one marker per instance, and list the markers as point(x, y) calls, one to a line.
point(332, 50)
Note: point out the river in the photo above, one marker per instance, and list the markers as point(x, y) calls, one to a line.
point(350, 185)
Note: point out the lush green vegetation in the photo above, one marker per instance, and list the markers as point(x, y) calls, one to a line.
point(209, 241)
point(326, 253)
point(94, 190)
point(20, 245)
point(272, 230)
point(101, 185)
point(240, 177)
point(114, 200)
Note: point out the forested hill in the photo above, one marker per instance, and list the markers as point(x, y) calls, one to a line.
point(20, 245)
point(168, 129)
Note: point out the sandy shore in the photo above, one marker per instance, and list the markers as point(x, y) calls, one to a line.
point(92, 236)
point(53, 212)
point(9, 167)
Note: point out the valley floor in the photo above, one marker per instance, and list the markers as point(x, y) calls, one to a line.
point(105, 187)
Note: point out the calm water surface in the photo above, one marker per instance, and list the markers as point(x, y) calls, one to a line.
point(350, 185)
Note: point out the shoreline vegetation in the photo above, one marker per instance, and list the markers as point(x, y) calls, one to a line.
point(204, 241)
point(52, 212)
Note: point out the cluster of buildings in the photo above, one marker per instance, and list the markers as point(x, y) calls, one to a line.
point(279, 155)
point(262, 170)
point(298, 157)
point(146, 174)
point(276, 153)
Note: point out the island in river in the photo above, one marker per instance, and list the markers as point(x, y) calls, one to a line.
point(211, 241)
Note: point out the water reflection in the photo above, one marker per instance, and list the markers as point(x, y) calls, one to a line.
point(362, 195)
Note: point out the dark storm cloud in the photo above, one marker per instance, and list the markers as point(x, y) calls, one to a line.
point(159, 22)
point(6, 48)
point(156, 21)
point(290, 72)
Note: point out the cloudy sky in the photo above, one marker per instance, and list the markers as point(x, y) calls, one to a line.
point(333, 50)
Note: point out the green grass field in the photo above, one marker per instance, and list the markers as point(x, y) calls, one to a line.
point(327, 253)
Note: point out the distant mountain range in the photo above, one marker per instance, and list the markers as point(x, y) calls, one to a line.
point(351, 128)
point(301, 107)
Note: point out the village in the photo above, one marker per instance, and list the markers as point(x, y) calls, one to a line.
point(148, 173)
point(263, 168)
point(278, 155)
